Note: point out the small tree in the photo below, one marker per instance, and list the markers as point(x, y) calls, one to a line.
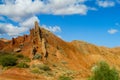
point(103, 72)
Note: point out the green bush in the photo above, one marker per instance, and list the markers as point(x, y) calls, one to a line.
point(44, 68)
point(19, 56)
point(103, 72)
point(8, 60)
point(37, 56)
point(26, 59)
point(36, 71)
point(64, 78)
point(23, 65)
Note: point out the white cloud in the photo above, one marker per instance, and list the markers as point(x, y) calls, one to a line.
point(112, 31)
point(29, 23)
point(80, 9)
point(65, 7)
point(59, 36)
point(105, 3)
point(52, 28)
point(19, 9)
point(11, 30)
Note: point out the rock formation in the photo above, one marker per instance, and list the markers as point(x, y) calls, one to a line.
point(38, 32)
point(13, 41)
point(44, 50)
point(38, 41)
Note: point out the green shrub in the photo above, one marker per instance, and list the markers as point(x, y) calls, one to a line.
point(36, 71)
point(8, 60)
point(40, 69)
point(64, 78)
point(44, 67)
point(23, 65)
point(19, 56)
point(103, 72)
point(26, 59)
point(37, 56)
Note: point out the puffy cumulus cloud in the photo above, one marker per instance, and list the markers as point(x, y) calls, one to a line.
point(20, 9)
point(29, 23)
point(11, 30)
point(17, 9)
point(24, 26)
point(65, 7)
point(52, 28)
point(112, 31)
point(105, 3)
point(80, 9)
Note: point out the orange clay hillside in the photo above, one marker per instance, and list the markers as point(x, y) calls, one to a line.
point(76, 57)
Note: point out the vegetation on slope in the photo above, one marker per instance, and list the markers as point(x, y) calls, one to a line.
point(8, 60)
point(102, 71)
point(18, 60)
point(64, 78)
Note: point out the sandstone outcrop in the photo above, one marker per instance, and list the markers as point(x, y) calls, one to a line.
point(30, 44)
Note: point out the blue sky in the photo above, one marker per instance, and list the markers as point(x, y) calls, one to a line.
point(93, 21)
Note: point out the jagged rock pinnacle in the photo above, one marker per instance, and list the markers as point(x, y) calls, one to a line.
point(13, 41)
point(36, 26)
point(37, 32)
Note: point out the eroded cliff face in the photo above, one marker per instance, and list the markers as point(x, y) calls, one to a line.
point(27, 44)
